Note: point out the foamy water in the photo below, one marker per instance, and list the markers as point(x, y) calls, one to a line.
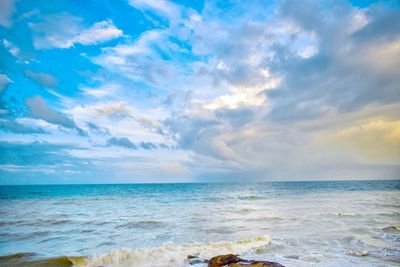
point(296, 224)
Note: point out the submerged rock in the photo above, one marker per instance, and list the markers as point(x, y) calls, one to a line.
point(231, 260)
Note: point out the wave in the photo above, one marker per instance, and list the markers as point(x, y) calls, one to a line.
point(264, 218)
point(363, 246)
point(39, 222)
point(395, 228)
point(345, 214)
point(142, 224)
point(169, 255)
point(173, 255)
point(252, 197)
point(31, 260)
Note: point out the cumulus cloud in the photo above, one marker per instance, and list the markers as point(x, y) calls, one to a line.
point(299, 74)
point(256, 91)
point(202, 134)
point(7, 8)
point(63, 30)
point(44, 79)
point(352, 69)
point(40, 110)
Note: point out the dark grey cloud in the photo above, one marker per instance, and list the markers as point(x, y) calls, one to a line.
point(97, 129)
point(203, 135)
point(352, 68)
point(35, 154)
point(122, 142)
point(15, 127)
point(42, 162)
point(44, 79)
point(40, 110)
point(237, 117)
point(152, 125)
point(382, 25)
point(178, 100)
point(189, 130)
point(147, 145)
point(165, 146)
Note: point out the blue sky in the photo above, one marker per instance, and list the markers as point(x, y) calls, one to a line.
point(188, 91)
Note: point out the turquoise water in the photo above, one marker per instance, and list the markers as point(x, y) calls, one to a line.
point(295, 223)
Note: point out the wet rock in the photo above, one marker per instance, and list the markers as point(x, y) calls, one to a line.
point(195, 260)
point(223, 260)
point(231, 260)
point(189, 257)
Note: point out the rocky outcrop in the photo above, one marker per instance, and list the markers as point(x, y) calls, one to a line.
point(231, 260)
point(223, 260)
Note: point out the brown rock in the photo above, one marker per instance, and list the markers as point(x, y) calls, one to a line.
point(234, 261)
point(222, 260)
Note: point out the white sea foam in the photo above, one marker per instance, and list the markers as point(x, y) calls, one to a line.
point(171, 254)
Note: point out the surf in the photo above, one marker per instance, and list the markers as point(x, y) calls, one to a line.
point(171, 255)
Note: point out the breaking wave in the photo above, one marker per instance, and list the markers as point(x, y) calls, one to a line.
point(31, 260)
point(171, 254)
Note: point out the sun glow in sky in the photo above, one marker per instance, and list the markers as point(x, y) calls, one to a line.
point(118, 91)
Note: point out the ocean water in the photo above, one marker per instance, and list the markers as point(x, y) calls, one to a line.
point(353, 223)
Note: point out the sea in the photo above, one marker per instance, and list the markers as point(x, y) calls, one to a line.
point(324, 223)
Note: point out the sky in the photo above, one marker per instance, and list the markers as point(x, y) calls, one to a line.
point(155, 91)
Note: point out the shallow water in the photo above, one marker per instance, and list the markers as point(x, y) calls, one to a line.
point(294, 223)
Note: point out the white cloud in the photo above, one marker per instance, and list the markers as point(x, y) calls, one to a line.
point(118, 109)
point(4, 82)
point(63, 30)
point(140, 60)
point(123, 119)
point(11, 48)
point(244, 92)
point(108, 90)
point(99, 32)
point(161, 7)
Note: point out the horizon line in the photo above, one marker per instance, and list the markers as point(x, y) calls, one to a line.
point(207, 182)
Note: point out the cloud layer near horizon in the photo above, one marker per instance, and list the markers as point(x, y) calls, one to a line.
point(156, 91)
